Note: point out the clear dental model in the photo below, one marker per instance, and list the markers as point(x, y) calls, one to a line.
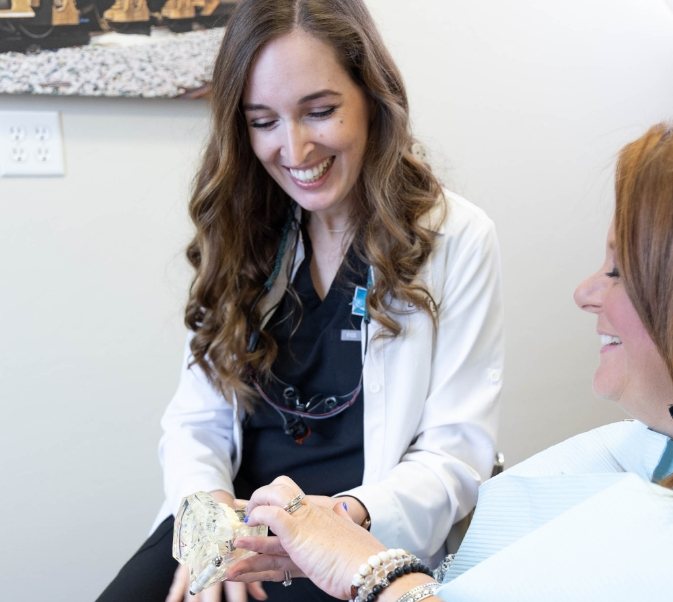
point(203, 539)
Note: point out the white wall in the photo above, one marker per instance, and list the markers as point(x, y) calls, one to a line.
point(93, 284)
point(522, 105)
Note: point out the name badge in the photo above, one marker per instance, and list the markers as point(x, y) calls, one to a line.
point(359, 302)
point(351, 335)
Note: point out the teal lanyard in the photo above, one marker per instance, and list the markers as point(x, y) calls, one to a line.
point(277, 264)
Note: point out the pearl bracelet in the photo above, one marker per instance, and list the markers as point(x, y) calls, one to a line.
point(380, 570)
point(420, 592)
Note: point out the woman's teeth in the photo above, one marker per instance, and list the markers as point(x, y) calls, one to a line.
point(311, 175)
point(607, 339)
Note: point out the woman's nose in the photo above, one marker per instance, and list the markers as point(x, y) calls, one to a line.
point(297, 146)
point(589, 294)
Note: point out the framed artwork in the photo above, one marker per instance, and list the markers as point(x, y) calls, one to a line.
point(136, 48)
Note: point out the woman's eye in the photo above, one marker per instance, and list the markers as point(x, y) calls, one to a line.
point(263, 124)
point(613, 273)
point(322, 113)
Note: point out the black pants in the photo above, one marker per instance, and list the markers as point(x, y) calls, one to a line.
point(148, 575)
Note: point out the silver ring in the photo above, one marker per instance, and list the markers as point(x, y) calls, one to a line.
point(287, 582)
point(294, 504)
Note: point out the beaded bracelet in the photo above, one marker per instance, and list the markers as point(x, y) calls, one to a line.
point(421, 592)
point(381, 570)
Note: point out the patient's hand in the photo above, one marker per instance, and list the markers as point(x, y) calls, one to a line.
point(318, 540)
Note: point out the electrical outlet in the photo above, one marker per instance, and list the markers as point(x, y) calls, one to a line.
point(30, 144)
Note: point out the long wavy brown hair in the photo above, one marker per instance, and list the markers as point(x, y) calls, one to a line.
point(239, 211)
point(644, 234)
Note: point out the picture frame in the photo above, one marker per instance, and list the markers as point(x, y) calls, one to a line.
point(125, 48)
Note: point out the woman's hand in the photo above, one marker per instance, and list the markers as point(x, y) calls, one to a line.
point(318, 541)
point(220, 592)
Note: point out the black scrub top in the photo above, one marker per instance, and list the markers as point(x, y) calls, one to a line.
point(319, 354)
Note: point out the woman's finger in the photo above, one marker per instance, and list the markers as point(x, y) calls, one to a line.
point(341, 508)
point(262, 567)
point(280, 492)
point(234, 592)
point(259, 563)
point(256, 590)
point(210, 594)
point(179, 585)
point(261, 545)
point(276, 574)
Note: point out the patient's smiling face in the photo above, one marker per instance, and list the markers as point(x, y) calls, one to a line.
point(631, 369)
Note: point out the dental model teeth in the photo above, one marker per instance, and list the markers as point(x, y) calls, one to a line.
point(311, 175)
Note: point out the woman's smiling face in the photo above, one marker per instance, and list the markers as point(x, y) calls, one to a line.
point(307, 121)
point(631, 369)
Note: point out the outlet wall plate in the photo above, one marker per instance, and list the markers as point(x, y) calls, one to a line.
point(31, 144)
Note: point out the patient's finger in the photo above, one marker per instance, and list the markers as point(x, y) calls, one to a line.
point(261, 545)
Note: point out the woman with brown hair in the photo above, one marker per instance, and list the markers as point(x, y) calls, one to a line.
point(588, 519)
point(345, 311)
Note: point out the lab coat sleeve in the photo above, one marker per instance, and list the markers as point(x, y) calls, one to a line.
point(454, 377)
point(197, 447)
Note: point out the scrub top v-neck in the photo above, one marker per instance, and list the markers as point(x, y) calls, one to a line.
point(319, 345)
